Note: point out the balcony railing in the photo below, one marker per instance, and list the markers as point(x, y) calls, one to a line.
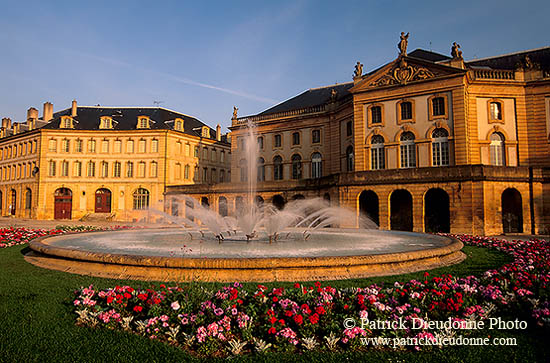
point(302, 111)
point(493, 74)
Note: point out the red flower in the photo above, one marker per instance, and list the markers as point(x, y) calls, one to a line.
point(275, 299)
point(273, 320)
point(109, 299)
point(297, 285)
point(138, 309)
point(272, 330)
point(288, 313)
point(317, 284)
point(320, 310)
point(282, 322)
point(299, 319)
point(314, 319)
point(127, 296)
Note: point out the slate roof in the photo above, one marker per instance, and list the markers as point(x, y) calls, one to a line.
point(510, 61)
point(125, 118)
point(310, 98)
point(427, 55)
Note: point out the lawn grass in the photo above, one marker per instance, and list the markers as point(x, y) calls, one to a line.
point(38, 322)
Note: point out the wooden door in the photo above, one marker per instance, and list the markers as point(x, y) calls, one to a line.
point(103, 201)
point(63, 203)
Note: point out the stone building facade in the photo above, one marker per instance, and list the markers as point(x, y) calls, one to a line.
point(104, 162)
point(424, 143)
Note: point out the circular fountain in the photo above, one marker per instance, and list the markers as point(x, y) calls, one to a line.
point(170, 254)
point(302, 242)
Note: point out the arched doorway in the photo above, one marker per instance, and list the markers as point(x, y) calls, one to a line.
point(63, 203)
point(239, 206)
point(103, 201)
point(401, 218)
point(369, 207)
point(512, 211)
point(13, 202)
point(278, 201)
point(222, 206)
point(436, 211)
point(205, 203)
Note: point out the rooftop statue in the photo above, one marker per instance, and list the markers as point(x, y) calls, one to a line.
point(235, 109)
point(402, 45)
point(358, 70)
point(455, 51)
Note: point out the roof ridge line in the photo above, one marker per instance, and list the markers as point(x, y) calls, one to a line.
point(332, 85)
point(508, 54)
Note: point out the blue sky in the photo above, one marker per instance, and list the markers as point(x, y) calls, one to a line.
point(202, 57)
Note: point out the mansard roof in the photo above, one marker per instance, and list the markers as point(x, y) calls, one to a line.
point(540, 56)
point(126, 118)
point(311, 98)
point(428, 55)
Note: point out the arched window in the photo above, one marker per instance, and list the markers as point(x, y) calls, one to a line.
point(350, 159)
point(28, 198)
point(378, 159)
point(316, 165)
point(278, 168)
point(141, 198)
point(497, 149)
point(296, 166)
point(244, 170)
point(408, 150)
point(440, 147)
point(261, 169)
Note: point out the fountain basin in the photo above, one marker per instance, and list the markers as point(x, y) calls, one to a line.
point(171, 254)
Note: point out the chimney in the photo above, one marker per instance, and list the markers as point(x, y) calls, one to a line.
point(6, 123)
point(16, 128)
point(32, 113)
point(73, 109)
point(219, 133)
point(48, 111)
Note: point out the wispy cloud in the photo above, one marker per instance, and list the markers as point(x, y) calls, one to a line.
point(171, 77)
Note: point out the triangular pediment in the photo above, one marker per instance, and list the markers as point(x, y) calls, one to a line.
point(402, 71)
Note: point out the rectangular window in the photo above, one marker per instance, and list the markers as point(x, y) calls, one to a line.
point(186, 172)
point(440, 153)
point(278, 141)
point(91, 146)
point(222, 176)
point(408, 156)
point(205, 153)
point(187, 150)
point(141, 146)
point(222, 156)
point(52, 146)
point(105, 146)
point(376, 114)
point(141, 169)
point(118, 146)
point(205, 175)
point(104, 169)
point(349, 128)
point(154, 169)
point(196, 152)
point(65, 146)
point(177, 175)
point(65, 168)
point(154, 146)
point(51, 168)
point(377, 158)
point(406, 111)
point(78, 168)
point(179, 148)
point(496, 111)
point(116, 169)
point(438, 106)
point(296, 138)
point(78, 146)
point(130, 146)
point(260, 142)
point(91, 169)
point(130, 169)
point(213, 155)
point(316, 136)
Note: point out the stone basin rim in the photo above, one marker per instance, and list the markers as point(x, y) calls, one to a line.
point(41, 246)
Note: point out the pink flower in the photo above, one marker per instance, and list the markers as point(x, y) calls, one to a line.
point(175, 305)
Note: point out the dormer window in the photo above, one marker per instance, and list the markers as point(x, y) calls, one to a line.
point(143, 123)
point(178, 124)
point(66, 123)
point(205, 131)
point(106, 123)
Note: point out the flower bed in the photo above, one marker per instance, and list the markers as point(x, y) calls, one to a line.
point(233, 320)
point(17, 236)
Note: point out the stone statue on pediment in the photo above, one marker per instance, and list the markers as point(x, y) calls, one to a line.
point(456, 53)
point(333, 94)
point(402, 45)
point(358, 70)
point(235, 109)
